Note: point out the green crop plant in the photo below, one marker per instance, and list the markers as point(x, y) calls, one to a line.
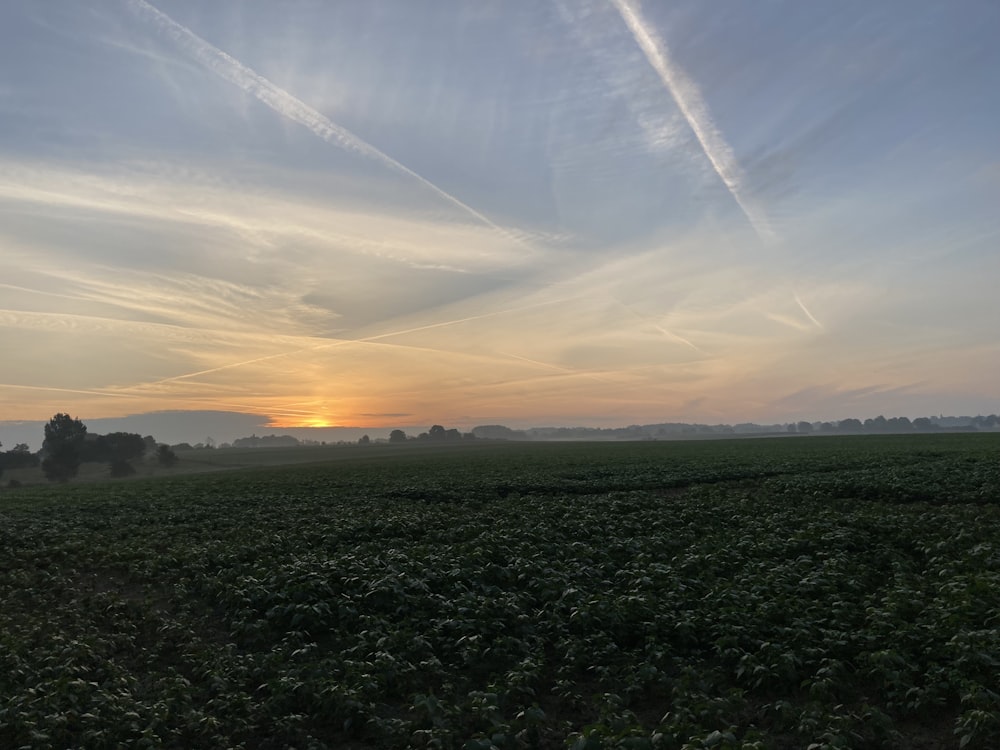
point(830, 592)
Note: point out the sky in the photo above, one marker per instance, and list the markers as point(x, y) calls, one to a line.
point(525, 212)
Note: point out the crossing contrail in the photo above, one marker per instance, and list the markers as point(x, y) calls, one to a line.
point(232, 70)
point(692, 106)
point(342, 342)
point(565, 370)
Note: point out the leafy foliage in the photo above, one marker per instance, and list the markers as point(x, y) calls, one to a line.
point(122, 446)
point(829, 593)
point(63, 429)
point(64, 436)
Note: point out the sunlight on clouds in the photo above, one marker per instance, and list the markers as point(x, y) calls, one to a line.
point(552, 213)
point(262, 221)
point(678, 322)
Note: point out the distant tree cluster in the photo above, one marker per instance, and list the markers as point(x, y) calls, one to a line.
point(682, 430)
point(895, 425)
point(438, 434)
point(498, 432)
point(19, 457)
point(267, 441)
point(118, 449)
point(67, 444)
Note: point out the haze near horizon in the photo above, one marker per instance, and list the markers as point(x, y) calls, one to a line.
point(600, 213)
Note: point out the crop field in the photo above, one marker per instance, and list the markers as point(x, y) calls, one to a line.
point(822, 592)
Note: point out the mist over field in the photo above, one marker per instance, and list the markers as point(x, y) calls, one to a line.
point(223, 429)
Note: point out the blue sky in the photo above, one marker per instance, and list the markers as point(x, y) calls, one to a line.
point(400, 213)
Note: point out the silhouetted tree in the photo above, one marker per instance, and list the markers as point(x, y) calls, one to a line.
point(63, 429)
point(437, 433)
point(120, 449)
point(64, 438)
point(62, 463)
point(21, 449)
point(849, 425)
point(397, 436)
point(166, 456)
point(364, 440)
point(804, 428)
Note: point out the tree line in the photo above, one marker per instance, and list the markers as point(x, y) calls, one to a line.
point(67, 445)
point(683, 430)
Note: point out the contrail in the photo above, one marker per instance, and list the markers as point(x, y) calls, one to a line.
point(676, 337)
point(795, 323)
point(658, 327)
point(92, 392)
point(806, 310)
point(230, 69)
point(342, 342)
point(688, 98)
point(557, 368)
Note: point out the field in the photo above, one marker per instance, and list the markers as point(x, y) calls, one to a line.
point(822, 592)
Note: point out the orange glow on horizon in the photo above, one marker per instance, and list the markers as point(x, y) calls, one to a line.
point(316, 421)
point(289, 421)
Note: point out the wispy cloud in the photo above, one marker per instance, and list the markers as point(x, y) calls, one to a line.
point(662, 130)
point(342, 342)
point(232, 70)
point(191, 245)
point(691, 104)
point(53, 389)
point(258, 218)
point(656, 326)
point(787, 320)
